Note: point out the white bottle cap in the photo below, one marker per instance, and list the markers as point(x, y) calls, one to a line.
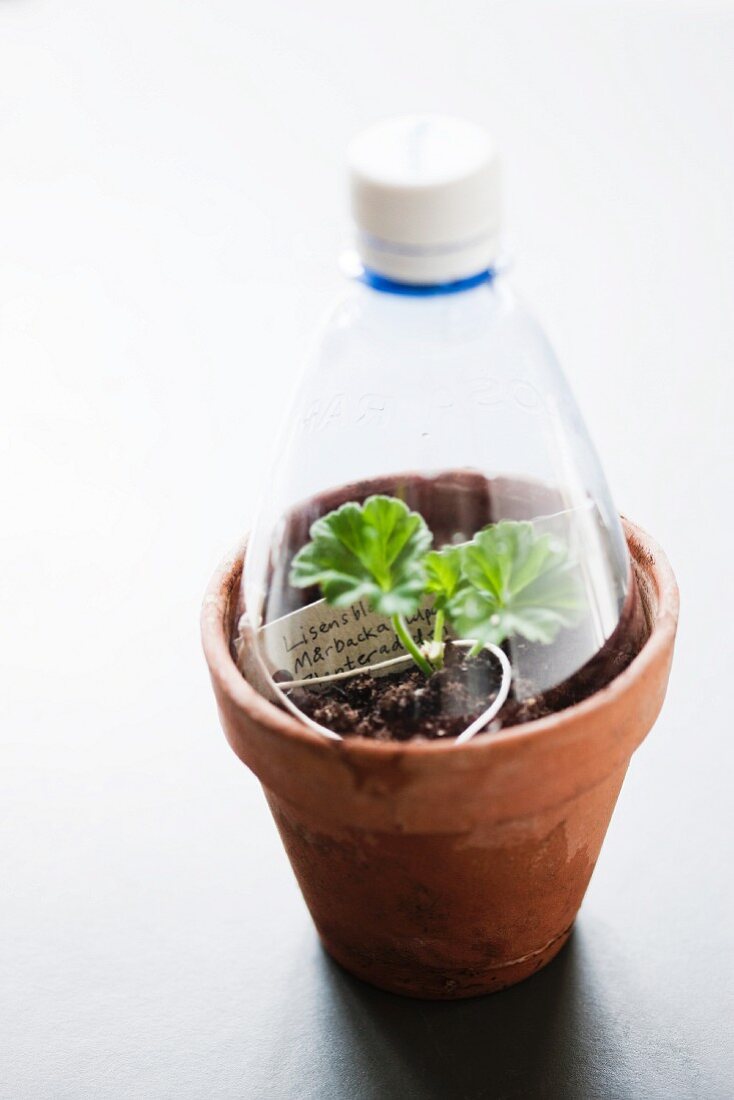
point(425, 197)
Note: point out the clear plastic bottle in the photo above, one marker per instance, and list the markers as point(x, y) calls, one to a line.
point(432, 384)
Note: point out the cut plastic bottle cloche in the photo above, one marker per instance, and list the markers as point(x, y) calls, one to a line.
point(437, 554)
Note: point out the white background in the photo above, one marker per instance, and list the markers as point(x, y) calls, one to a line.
point(171, 209)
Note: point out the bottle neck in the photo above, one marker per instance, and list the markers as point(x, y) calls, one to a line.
point(430, 290)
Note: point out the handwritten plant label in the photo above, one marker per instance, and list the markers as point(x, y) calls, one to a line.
point(320, 640)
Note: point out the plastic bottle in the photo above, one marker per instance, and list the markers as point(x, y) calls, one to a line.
point(430, 382)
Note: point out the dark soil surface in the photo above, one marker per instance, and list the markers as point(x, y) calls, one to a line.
point(404, 705)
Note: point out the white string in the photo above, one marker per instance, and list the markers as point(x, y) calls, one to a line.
point(484, 719)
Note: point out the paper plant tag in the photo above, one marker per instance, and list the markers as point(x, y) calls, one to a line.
point(320, 640)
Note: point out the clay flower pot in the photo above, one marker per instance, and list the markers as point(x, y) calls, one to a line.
point(437, 870)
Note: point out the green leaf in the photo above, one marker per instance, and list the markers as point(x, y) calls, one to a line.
point(444, 573)
point(371, 551)
point(519, 582)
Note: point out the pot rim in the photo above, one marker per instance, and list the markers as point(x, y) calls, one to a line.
point(649, 561)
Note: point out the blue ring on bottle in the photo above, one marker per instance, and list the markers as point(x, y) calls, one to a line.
point(416, 290)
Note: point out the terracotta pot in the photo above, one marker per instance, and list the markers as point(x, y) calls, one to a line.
point(436, 870)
